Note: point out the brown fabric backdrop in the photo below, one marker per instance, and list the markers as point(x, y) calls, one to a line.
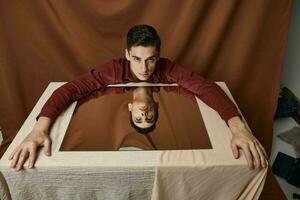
point(239, 42)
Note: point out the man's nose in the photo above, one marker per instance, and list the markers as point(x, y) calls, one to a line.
point(144, 67)
point(145, 113)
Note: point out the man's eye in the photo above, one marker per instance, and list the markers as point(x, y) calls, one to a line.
point(136, 59)
point(150, 118)
point(152, 60)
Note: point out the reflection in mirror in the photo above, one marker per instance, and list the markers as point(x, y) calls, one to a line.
point(136, 118)
point(143, 110)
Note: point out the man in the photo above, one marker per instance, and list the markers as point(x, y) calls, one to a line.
point(142, 63)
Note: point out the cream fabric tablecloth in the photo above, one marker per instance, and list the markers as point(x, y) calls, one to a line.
point(173, 174)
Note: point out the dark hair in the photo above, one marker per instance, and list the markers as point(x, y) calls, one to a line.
point(143, 130)
point(143, 35)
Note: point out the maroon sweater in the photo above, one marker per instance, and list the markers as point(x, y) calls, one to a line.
point(118, 71)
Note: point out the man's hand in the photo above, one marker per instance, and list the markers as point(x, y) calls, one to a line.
point(38, 137)
point(242, 138)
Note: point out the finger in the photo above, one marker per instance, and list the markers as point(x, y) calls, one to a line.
point(15, 158)
point(32, 156)
point(12, 154)
point(261, 155)
point(22, 159)
point(235, 150)
point(47, 147)
point(248, 156)
point(255, 155)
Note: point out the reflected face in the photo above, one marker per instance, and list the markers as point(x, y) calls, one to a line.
point(142, 61)
point(143, 107)
point(143, 113)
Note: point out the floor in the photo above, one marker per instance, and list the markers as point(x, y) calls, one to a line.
point(281, 125)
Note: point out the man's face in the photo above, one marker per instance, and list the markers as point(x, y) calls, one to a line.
point(143, 113)
point(142, 61)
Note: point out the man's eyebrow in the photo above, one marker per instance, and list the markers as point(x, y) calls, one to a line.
point(150, 120)
point(146, 58)
point(150, 57)
point(137, 57)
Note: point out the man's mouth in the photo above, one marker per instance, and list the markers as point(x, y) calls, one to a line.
point(144, 108)
point(144, 74)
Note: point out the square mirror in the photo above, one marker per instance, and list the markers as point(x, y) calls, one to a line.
point(136, 118)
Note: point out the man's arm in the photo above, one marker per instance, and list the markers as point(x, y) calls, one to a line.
point(38, 137)
point(211, 94)
point(208, 91)
point(242, 138)
point(59, 101)
point(78, 89)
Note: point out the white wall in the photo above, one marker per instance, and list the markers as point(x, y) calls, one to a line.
point(291, 68)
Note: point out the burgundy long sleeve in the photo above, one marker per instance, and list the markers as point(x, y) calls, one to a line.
point(206, 90)
point(79, 88)
point(118, 71)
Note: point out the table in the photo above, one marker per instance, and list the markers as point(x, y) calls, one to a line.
point(169, 174)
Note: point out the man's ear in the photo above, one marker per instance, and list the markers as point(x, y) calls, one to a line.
point(127, 54)
point(130, 106)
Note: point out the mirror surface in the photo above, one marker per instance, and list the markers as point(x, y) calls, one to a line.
point(105, 120)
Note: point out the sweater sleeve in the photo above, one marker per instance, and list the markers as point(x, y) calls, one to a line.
point(208, 91)
point(78, 88)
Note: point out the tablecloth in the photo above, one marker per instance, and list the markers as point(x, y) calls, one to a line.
point(170, 174)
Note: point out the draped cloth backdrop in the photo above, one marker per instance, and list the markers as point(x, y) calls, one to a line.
point(239, 42)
